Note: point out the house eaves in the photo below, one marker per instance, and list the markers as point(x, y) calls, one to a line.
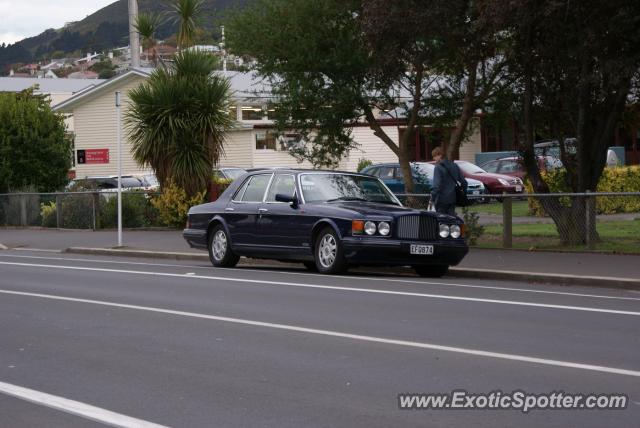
point(88, 94)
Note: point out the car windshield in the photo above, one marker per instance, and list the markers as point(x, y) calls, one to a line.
point(423, 170)
point(469, 168)
point(129, 182)
point(344, 187)
point(234, 173)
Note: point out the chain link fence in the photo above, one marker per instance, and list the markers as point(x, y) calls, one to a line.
point(78, 210)
point(574, 221)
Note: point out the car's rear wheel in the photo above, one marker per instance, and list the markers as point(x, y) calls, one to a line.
point(328, 254)
point(220, 252)
point(431, 271)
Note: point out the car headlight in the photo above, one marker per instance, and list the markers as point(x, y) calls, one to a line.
point(383, 228)
point(444, 230)
point(370, 228)
point(455, 231)
point(503, 181)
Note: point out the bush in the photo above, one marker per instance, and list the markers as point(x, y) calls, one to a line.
point(49, 214)
point(472, 224)
point(621, 179)
point(77, 211)
point(173, 205)
point(134, 207)
point(363, 163)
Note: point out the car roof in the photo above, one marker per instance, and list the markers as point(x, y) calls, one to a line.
point(300, 171)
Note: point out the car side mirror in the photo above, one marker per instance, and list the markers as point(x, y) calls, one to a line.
point(289, 199)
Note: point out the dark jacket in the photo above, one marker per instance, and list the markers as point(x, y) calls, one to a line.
point(443, 191)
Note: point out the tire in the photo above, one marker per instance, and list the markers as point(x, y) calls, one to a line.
point(220, 252)
point(328, 253)
point(431, 271)
point(311, 266)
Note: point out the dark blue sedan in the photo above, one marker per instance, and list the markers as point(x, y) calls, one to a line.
point(325, 219)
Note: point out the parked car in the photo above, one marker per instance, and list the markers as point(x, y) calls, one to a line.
point(150, 182)
point(494, 183)
point(422, 172)
point(106, 184)
point(552, 148)
point(513, 166)
point(325, 219)
point(229, 173)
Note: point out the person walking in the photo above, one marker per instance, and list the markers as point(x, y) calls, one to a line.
point(443, 189)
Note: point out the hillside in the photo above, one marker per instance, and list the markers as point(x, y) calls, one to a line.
point(104, 29)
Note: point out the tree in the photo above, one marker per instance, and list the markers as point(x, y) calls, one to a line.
point(186, 15)
point(104, 68)
point(333, 64)
point(178, 120)
point(147, 25)
point(576, 67)
point(34, 150)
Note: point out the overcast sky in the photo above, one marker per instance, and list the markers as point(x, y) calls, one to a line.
point(26, 18)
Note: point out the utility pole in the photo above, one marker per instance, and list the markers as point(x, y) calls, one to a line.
point(134, 38)
point(118, 124)
point(224, 50)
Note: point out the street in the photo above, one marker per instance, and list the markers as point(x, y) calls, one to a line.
point(179, 343)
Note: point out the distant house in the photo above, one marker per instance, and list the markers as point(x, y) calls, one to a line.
point(253, 141)
point(84, 74)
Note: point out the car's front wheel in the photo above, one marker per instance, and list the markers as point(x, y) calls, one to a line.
point(431, 271)
point(220, 252)
point(328, 253)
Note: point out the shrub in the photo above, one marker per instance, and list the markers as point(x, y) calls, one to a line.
point(77, 211)
point(363, 163)
point(134, 207)
point(49, 214)
point(621, 179)
point(472, 224)
point(173, 205)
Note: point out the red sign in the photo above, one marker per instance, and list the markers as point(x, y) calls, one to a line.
point(96, 155)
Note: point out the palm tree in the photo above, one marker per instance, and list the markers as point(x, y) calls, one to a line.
point(187, 12)
point(147, 24)
point(178, 120)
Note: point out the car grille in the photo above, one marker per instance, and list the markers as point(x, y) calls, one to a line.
point(515, 181)
point(417, 227)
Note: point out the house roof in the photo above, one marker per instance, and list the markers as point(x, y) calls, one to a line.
point(68, 105)
point(47, 86)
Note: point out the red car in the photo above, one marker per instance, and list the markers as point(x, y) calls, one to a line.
point(512, 166)
point(494, 183)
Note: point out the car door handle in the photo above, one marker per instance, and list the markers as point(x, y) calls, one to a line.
point(229, 209)
point(263, 210)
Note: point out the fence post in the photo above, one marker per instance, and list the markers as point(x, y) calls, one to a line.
point(58, 211)
point(23, 210)
point(589, 221)
point(507, 217)
point(96, 209)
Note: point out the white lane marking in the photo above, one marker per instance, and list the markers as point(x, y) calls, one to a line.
point(332, 333)
point(75, 407)
point(361, 278)
point(332, 287)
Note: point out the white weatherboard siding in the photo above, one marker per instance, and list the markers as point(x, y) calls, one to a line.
point(370, 147)
point(238, 149)
point(473, 144)
point(95, 128)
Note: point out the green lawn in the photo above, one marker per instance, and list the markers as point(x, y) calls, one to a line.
point(615, 236)
point(520, 208)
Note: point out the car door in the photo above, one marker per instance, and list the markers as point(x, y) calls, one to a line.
point(390, 177)
point(241, 213)
point(279, 224)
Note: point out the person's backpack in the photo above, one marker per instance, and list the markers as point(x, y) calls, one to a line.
point(461, 196)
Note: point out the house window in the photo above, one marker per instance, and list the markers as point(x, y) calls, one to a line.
point(265, 141)
point(252, 113)
point(271, 114)
point(291, 141)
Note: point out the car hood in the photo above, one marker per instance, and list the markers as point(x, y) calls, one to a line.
point(371, 209)
point(493, 176)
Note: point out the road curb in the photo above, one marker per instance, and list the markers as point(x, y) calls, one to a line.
point(560, 279)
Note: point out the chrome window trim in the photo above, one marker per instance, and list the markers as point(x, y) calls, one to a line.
point(264, 195)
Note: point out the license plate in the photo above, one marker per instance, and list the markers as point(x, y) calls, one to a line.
point(518, 188)
point(426, 250)
point(476, 192)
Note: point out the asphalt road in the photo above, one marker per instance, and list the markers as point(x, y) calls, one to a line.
point(182, 344)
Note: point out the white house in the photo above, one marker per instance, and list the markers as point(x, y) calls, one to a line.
point(252, 143)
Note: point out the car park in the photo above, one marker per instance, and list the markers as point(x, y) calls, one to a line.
point(327, 220)
point(422, 172)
